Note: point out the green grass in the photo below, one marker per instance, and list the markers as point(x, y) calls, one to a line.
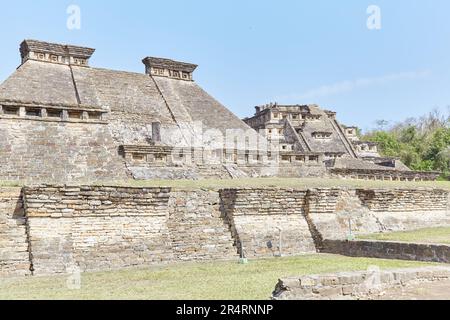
point(8, 184)
point(280, 182)
point(300, 183)
point(210, 281)
point(439, 235)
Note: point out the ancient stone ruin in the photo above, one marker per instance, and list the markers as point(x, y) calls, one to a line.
point(69, 132)
point(62, 120)
point(48, 229)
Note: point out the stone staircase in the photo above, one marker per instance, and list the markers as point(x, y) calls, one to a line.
point(235, 172)
point(343, 138)
point(298, 136)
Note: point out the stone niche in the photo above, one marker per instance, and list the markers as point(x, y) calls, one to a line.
point(75, 114)
point(55, 53)
point(161, 67)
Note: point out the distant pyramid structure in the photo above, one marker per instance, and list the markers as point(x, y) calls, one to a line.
point(62, 120)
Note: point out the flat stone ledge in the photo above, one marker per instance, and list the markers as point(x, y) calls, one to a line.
point(355, 285)
point(389, 250)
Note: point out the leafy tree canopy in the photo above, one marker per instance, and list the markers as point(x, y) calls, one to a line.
point(422, 144)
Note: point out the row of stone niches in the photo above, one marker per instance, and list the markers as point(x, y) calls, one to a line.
point(51, 113)
point(220, 156)
point(389, 176)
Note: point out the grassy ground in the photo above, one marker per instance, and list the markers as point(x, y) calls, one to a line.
point(280, 182)
point(266, 182)
point(10, 184)
point(215, 280)
point(429, 235)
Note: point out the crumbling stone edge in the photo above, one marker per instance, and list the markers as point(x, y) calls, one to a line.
point(389, 250)
point(359, 285)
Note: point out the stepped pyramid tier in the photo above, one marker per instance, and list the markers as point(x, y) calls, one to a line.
point(300, 129)
point(62, 120)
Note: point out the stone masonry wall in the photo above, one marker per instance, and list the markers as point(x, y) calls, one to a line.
point(98, 228)
point(53, 152)
point(402, 200)
point(389, 250)
point(14, 257)
point(262, 218)
point(355, 285)
point(335, 211)
point(268, 222)
point(383, 174)
point(101, 228)
point(197, 228)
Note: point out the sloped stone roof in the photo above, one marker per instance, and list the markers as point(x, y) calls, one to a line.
point(333, 145)
point(350, 163)
point(169, 64)
point(40, 83)
point(121, 92)
point(135, 100)
point(191, 102)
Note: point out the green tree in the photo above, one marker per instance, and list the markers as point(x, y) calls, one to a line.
point(423, 144)
point(387, 142)
point(438, 151)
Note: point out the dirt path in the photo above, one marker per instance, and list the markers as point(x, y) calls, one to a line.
point(439, 290)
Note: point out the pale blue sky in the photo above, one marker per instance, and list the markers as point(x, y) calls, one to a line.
point(255, 52)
